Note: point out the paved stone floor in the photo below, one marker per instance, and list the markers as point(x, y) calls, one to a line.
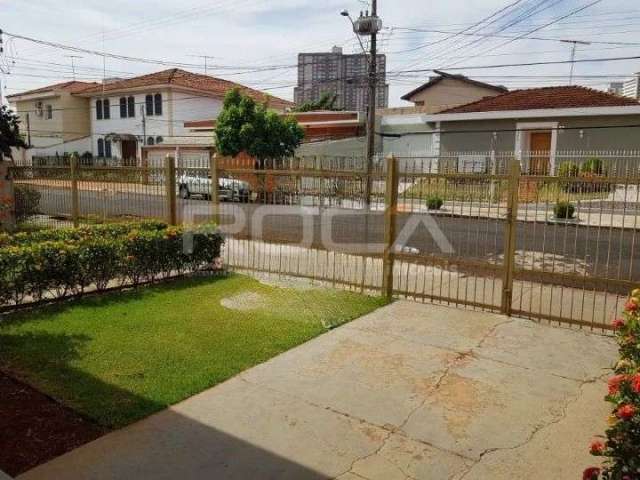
point(410, 391)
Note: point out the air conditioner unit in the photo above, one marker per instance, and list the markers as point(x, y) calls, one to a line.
point(39, 109)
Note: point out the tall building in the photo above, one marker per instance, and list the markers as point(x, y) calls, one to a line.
point(343, 75)
point(632, 87)
point(617, 88)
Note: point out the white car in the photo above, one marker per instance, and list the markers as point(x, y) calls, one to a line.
point(229, 189)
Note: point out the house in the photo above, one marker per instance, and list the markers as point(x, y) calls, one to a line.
point(441, 92)
point(546, 120)
point(447, 90)
point(54, 119)
point(127, 114)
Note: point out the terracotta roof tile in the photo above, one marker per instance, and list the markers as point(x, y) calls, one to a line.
point(72, 86)
point(181, 78)
point(545, 98)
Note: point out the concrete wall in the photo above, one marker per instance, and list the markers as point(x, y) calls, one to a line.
point(571, 137)
point(347, 147)
point(44, 132)
point(478, 136)
point(449, 93)
point(75, 117)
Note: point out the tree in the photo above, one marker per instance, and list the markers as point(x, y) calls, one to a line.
point(246, 126)
point(327, 102)
point(9, 132)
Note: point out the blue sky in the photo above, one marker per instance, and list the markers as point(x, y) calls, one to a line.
point(249, 33)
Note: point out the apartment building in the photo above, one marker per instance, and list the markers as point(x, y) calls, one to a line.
point(343, 75)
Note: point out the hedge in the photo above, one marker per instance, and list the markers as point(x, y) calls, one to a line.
point(56, 264)
point(109, 230)
point(621, 445)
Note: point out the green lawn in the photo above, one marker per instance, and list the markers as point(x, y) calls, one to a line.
point(119, 357)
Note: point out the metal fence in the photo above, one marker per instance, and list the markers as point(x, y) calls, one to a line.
point(485, 230)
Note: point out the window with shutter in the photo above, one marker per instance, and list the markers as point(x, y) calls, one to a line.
point(123, 107)
point(100, 147)
point(99, 109)
point(148, 100)
point(131, 103)
point(107, 148)
point(158, 104)
point(106, 109)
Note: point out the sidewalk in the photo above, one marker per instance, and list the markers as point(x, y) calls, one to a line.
point(410, 391)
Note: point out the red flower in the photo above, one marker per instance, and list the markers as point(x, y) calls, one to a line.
point(626, 412)
point(631, 305)
point(618, 323)
point(635, 383)
point(614, 383)
point(591, 473)
point(597, 447)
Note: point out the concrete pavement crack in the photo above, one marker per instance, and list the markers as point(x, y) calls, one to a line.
point(536, 430)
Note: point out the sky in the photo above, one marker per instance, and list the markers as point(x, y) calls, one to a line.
point(242, 36)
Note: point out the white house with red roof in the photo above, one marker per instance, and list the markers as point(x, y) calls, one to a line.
point(127, 114)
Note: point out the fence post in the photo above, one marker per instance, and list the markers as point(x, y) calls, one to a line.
point(510, 236)
point(215, 201)
point(170, 185)
point(391, 207)
point(75, 198)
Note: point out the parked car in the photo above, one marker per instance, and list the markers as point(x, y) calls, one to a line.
point(229, 189)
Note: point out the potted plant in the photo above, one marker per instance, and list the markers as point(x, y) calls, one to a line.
point(564, 210)
point(434, 202)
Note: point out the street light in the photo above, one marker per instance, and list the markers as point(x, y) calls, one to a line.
point(345, 13)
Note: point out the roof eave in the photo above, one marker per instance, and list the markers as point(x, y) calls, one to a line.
point(538, 113)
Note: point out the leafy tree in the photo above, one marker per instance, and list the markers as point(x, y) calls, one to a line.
point(327, 102)
point(9, 132)
point(246, 126)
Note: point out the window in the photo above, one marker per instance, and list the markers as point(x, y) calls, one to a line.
point(131, 106)
point(150, 141)
point(106, 109)
point(159, 140)
point(49, 112)
point(157, 100)
point(148, 101)
point(123, 107)
point(107, 148)
point(100, 146)
point(99, 109)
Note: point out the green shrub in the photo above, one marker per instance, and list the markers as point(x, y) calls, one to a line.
point(57, 263)
point(27, 201)
point(434, 202)
point(568, 169)
point(564, 210)
point(593, 166)
point(620, 447)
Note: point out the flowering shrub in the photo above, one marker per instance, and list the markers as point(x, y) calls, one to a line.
point(621, 446)
point(57, 263)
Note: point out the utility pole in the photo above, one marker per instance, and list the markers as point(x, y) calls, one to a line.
point(575, 44)
point(369, 25)
point(144, 125)
point(373, 90)
point(28, 130)
point(73, 65)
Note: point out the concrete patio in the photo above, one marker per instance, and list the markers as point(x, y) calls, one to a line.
point(410, 391)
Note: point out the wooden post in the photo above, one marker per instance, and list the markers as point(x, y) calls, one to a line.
point(215, 200)
point(510, 236)
point(391, 208)
point(170, 185)
point(75, 198)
